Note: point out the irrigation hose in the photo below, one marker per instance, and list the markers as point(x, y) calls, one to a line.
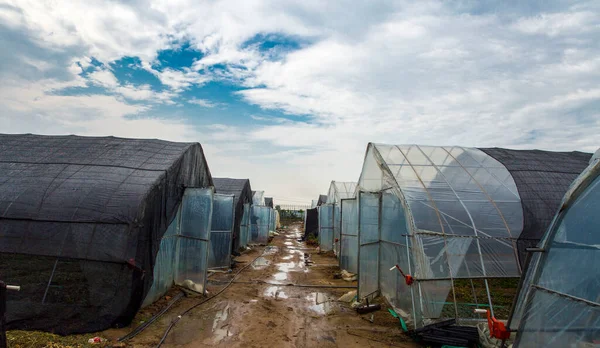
point(143, 326)
point(174, 321)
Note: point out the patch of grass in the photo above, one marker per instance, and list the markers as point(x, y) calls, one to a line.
point(312, 240)
point(38, 339)
point(470, 292)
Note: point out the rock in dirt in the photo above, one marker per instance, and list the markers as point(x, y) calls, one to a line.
point(349, 277)
point(348, 297)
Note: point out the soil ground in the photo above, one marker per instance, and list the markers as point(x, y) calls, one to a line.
point(265, 307)
point(260, 309)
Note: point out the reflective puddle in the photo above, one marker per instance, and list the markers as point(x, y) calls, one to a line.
point(221, 331)
point(260, 263)
point(270, 250)
point(280, 276)
point(275, 292)
point(320, 303)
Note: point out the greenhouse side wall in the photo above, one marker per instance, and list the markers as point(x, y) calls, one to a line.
point(245, 225)
point(221, 233)
point(326, 227)
point(368, 252)
point(193, 244)
point(349, 236)
point(562, 307)
point(260, 221)
point(337, 227)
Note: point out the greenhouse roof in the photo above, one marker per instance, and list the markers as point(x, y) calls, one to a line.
point(231, 186)
point(339, 190)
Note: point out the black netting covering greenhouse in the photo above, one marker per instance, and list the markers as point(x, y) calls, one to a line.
point(322, 200)
point(242, 192)
point(81, 220)
point(269, 202)
point(542, 178)
point(311, 225)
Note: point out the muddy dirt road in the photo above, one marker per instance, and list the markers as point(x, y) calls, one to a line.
point(260, 310)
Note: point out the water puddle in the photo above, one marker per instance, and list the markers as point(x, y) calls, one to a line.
point(270, 250)
point(260, 263)
point(280, 276)
point(320, 303)
point(276, 292)
point(290, 266)
point(221, 331)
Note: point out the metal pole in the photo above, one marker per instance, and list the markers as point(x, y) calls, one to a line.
point(3, 289)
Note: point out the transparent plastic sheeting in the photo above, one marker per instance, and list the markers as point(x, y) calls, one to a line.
point(561, 306)
point(368, 232)
point(395, 250)
point(339, 190)
point(258, 198)
point(449, 212)
point(260, 221)
point(273, 221)
point(349, 236)
point(245, 225)
point(183, 251)
point(326, 227)
point(337, 227)
point(221, 231)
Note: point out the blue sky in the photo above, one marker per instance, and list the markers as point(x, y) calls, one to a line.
point(289, 93)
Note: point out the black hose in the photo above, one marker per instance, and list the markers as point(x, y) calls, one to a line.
point(174, 321)
point(143, 326)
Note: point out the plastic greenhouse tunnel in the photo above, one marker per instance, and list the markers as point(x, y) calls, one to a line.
point(107, 223)
point(559, 302)
point(444, 230)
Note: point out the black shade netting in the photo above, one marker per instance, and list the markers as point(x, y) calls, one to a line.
point(81, 220)
point(542, 179)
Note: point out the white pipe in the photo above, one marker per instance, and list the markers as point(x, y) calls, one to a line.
point(13, 287)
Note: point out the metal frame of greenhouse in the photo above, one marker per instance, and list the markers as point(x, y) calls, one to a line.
point(444, 214)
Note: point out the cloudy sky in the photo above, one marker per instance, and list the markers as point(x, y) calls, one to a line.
point(289, 93)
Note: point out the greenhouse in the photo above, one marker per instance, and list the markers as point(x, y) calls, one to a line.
point(440, 229)
point(559, 302)
point(242, 192)
point(329, 235)
point(93, 212)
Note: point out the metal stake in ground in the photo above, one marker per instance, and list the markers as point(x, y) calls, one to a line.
point(3, 288)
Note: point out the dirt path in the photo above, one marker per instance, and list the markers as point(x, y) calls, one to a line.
point(260, 310)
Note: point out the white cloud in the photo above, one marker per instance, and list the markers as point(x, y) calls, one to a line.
point(553, 24)
point(104, 78)
point(203, 102)
point(400, 72)
point(179, 80)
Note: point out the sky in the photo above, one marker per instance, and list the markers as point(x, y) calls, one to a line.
point(289, 93)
